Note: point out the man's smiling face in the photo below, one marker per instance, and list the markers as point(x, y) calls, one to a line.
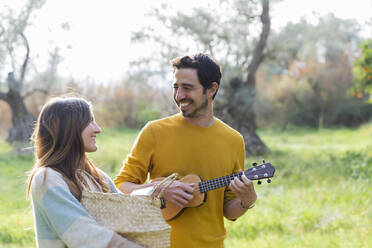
point(188, 94)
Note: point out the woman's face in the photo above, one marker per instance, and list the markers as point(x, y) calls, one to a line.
point(89, 136)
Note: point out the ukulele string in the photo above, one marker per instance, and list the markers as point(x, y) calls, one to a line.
point(212, 184)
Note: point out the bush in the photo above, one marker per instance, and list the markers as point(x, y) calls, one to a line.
point(146, 113)
point(351, 113)
point(311, 94)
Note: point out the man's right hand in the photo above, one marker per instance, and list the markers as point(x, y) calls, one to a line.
point(179, 193)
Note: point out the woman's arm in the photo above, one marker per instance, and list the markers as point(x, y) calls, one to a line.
point(58, 213)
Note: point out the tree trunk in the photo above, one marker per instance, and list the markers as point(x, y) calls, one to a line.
point(14, 40)
point(22, 120)
point(239, 114)
point(239, 111)
point(253, 143)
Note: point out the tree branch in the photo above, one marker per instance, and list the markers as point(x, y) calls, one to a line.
point(12, 82)
point(25, 62)
point(10, 49)
point(258, 54)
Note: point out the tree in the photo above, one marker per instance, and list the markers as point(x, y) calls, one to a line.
point(363, 71)
point(227, 32)
point(15, 51)
point(308, 74)
point(326, 42)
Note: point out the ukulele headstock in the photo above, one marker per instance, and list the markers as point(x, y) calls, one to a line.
point(262, 171)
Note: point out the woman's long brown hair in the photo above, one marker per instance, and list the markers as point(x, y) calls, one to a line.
point(58, 143)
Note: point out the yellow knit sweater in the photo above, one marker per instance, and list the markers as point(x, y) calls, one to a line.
point(173, 145)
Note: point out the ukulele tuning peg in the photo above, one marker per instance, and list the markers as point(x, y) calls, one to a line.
point(268, 180)
point(254, 164)
point(259, 182)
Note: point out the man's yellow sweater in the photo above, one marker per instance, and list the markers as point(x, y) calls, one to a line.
point(173, 145)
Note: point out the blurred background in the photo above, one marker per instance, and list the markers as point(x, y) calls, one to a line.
point(297, 83)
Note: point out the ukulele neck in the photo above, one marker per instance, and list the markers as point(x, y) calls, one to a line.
point(216, 183)
point(265, 170)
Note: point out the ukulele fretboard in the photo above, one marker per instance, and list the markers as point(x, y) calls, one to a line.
point(255, 173)
point(216, 183)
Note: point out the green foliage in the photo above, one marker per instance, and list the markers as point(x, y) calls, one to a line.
point(320, 195)
point(131, 103)
point(363, 71)
point(146, 113)
point(351, 113)
point(328, 40)
point(312, 94)
point(223, 30)
point(226, 30)
point(308, 74)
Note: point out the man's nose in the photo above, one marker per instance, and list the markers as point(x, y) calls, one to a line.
point(180, 95)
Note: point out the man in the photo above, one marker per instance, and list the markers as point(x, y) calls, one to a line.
point(192, 142)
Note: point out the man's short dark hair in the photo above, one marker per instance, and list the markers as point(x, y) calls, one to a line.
point(207, 68)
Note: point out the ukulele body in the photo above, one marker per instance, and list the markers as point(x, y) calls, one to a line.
point(171, 210)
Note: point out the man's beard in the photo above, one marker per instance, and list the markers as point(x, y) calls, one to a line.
point(196, 112)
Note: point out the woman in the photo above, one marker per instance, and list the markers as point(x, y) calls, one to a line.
point(64, 132)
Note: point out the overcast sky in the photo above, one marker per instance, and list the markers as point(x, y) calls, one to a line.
point(97, 44)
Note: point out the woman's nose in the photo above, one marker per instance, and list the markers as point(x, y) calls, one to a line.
point(97, 128)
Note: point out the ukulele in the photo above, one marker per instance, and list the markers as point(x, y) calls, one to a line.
point(257, 172)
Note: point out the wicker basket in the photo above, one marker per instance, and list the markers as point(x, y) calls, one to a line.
point(136, 217)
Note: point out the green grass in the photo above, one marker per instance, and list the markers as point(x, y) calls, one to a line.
point(15, 212)
point(320, 195)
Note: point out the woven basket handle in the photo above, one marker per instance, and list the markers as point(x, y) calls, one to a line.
point(85, 173)
point(167, 182)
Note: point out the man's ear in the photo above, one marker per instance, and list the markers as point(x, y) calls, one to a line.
point(213, 89)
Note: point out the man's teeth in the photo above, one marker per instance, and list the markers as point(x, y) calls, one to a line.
point(184, 104)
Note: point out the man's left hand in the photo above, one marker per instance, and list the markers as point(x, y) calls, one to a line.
point(244, 190)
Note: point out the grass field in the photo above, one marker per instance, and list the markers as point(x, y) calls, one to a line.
point(321, 195)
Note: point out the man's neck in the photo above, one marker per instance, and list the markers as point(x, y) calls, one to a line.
point(206, 120)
